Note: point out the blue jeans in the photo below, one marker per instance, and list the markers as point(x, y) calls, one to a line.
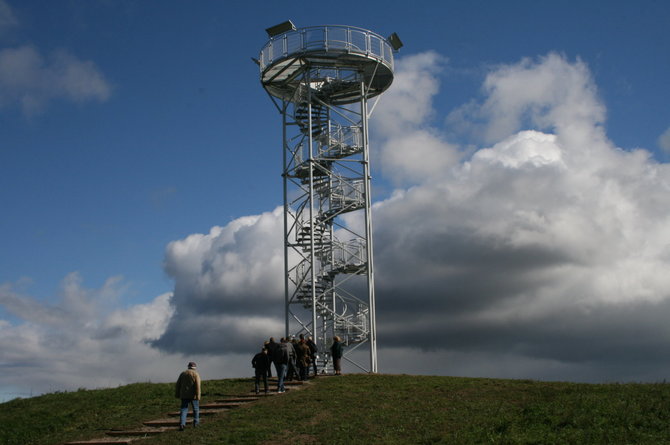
point(184, 411)
point(291, 369)
point(281, 371)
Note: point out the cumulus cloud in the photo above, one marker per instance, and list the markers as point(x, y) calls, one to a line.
point(543, 94)
point(549, 247)
point(409, 149)
point(30, 80)
point(82, 340)
point(228, 286)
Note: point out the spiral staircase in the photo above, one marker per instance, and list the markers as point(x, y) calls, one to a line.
point(336, 195)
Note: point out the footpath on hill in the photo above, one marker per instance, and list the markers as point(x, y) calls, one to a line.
point(170, 422)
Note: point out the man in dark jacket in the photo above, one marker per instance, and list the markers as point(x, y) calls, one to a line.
point(261, 364)
point(272, 347)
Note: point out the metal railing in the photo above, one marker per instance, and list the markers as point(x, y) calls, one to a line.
point(335, 38)
point(341, 140)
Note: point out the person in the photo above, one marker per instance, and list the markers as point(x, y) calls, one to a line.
point(261, 364)
point(281, 360)
point(188, 390)
point(272, 347)
point(302, 352)
point(312, 353)
point(265, 346)
point(291, 369)
point(336, 353)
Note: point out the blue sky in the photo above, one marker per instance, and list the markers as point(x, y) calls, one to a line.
point(125, 126)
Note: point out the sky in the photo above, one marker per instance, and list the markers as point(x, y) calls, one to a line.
point(521, 201)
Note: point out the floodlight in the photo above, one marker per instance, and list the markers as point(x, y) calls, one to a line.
point(281, 28)
point(395, 41)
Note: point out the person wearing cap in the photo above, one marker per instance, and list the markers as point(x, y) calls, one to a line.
point(188, 390)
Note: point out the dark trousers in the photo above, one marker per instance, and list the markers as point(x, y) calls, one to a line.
point(303, 371)
point(337, 364)
point(261, 375)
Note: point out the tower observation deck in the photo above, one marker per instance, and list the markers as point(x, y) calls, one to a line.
point(321, 79)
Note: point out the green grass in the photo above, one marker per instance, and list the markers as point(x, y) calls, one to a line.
point(59, 417)
point(366, 409)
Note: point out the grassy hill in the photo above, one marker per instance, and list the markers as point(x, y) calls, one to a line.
point(364, 409)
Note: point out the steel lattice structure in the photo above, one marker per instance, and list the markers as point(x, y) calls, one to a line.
point(321, 79)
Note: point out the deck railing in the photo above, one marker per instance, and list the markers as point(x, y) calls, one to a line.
point(328, 38)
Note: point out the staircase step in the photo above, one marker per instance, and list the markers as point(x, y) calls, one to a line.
point(162, 423)
point(220, 405)
point(136, 433)
point(204, 411)
point(239, 399)
point(101, 442)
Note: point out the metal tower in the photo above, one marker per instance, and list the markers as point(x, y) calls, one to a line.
point(320, 79)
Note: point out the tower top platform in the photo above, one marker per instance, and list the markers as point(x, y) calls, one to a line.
point(336, 58)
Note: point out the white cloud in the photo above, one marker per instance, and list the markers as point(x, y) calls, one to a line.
point(535, 245)
point(82, 340)
point(549, 93)
point(664, 140)
point(30, 80)
point(85, 341)
point(228, 284)
point(410, 150)
point(407, 104)
point(417, 156)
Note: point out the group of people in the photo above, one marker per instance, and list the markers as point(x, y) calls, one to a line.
point(291, 358)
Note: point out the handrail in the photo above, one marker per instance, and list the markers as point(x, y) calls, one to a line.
point(328, 38)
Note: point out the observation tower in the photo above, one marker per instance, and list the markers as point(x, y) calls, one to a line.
point(322, 79)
